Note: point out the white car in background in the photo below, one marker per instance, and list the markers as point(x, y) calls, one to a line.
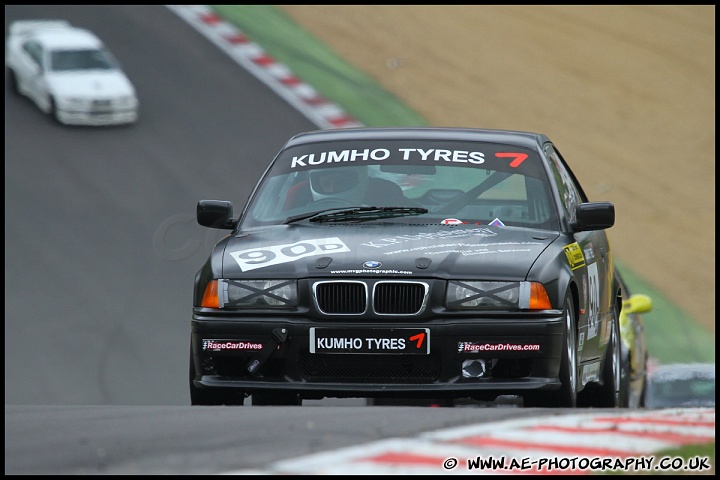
point(69, 73)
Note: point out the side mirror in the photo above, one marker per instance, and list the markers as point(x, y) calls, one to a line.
point(593, 216)
point(215, 214)
point(638, 303)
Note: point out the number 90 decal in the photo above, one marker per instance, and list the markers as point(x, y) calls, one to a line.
point(594, 300)
point(273, 255)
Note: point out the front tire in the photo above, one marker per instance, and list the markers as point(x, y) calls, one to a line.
point(213, 396)
point(610, 394)
point(643, 393)
point(566, 395)
point(626, 384)
point(53, 112)
point(13, 80)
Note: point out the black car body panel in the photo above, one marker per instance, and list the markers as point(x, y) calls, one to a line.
point(458, 286)
point(397, 247)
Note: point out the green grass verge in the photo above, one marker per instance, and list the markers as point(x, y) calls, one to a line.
point(672, 335)
point(311, 60)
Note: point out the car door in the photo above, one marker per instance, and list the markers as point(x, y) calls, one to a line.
point(23, 65)
point(591, 264)
point(31, 69)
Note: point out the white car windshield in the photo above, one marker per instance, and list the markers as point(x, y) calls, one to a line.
point(90, 59)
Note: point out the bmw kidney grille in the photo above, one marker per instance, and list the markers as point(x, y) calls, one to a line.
point(388, 297)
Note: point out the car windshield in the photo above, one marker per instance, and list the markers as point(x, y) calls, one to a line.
point(457, 182)
point(89, 59)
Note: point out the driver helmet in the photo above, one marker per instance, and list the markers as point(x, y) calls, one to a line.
point(347, 183)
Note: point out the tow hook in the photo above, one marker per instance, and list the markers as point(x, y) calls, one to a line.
point(279, 336)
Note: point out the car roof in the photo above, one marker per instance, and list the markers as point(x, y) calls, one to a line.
point(24, 27)
point(67, 38)
point(510, 137)
point(676, 371)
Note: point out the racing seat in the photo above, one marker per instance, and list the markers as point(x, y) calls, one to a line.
point(384, 193)
point(298, 195)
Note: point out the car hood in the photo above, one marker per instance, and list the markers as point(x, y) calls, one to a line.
point(83, 84)
point(469, 251)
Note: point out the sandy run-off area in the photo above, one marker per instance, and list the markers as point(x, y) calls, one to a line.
point(626, 92)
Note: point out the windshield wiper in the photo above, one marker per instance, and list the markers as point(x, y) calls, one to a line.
point(357, 213)
point(303, 216)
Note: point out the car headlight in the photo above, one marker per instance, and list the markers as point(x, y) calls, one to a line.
point(484, 295)
point(127, 100)
point(226, 293)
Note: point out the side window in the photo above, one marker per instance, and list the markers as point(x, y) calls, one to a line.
point(35, 52)
point(569, 193)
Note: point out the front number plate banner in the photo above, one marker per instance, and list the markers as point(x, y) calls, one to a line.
point(388, 341)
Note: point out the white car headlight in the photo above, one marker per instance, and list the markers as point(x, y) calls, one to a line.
point(127, 100)
point(484, 295)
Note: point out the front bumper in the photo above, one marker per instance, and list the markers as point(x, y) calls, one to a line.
point(98, 117)
point(466, 357)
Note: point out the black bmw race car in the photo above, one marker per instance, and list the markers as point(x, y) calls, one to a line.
point(410, 263)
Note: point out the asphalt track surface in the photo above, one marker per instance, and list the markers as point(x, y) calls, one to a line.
point(101, 248)
point(101, 243)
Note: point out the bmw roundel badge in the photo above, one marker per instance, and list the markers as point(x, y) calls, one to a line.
point(372, 264)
